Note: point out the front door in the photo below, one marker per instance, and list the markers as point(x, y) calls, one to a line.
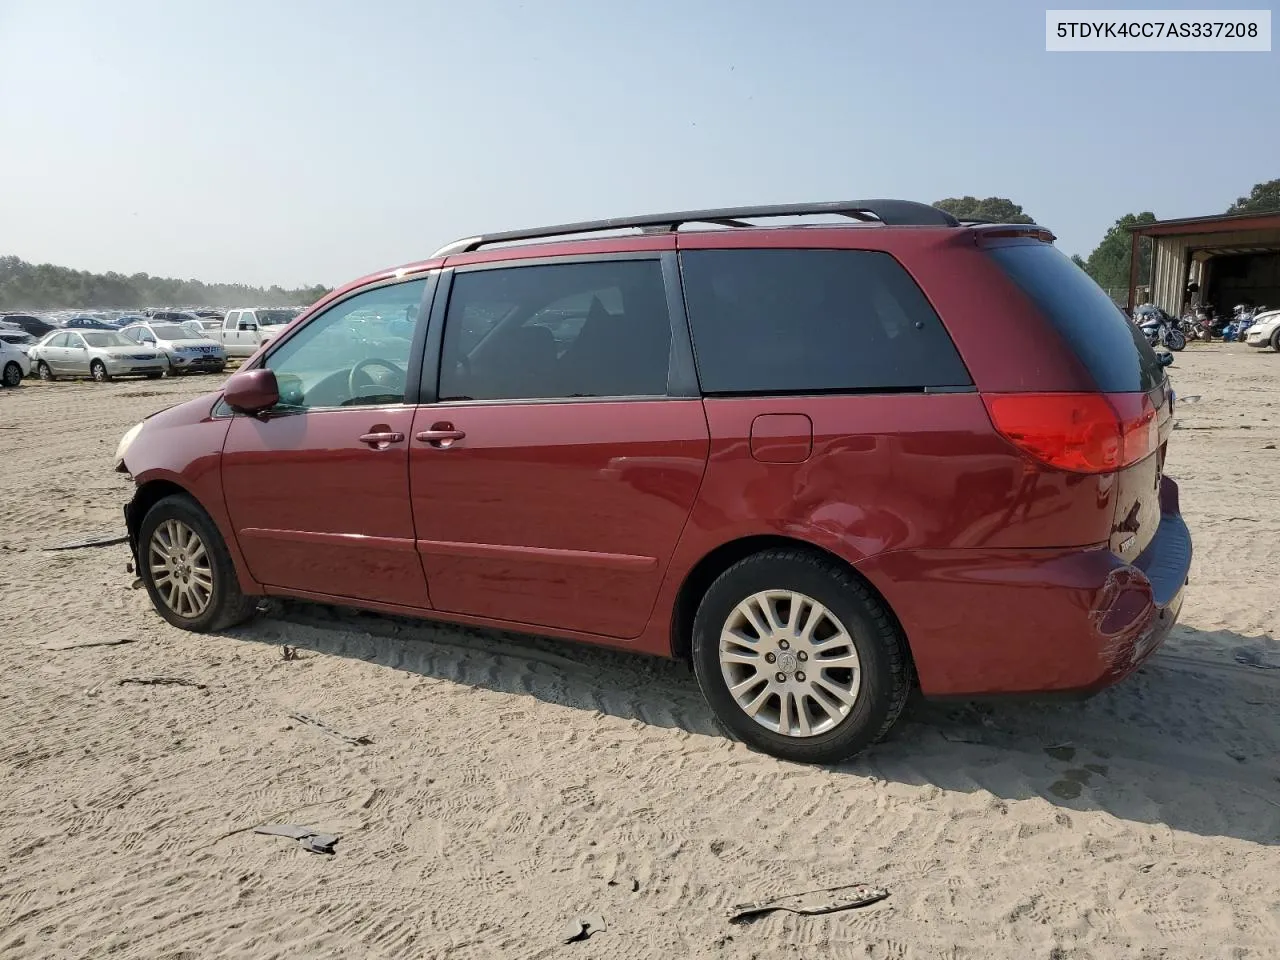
point(75, 356)
point(318, 488)
point(552, 478)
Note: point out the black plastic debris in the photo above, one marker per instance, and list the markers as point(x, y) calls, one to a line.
point(582, 928)
point(100, 540)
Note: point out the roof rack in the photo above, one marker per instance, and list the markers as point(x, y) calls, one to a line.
point(893, 213)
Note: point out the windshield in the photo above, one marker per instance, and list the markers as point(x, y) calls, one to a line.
point(107, 340)
point(170, 331)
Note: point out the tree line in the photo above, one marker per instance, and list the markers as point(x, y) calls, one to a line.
point(45, 286)
point(1108, 264)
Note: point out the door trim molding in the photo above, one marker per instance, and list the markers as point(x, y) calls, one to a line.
point(357, 540)
point(491, 551)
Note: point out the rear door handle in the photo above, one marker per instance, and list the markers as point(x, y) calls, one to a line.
point(382, 438)
point(441, 438)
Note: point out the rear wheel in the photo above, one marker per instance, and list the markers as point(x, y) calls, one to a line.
point(798, 658)
point(12, 376)
point(187, 570)
point(43, 371)
point(99, 371)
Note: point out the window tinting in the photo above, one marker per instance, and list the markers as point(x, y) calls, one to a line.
point(1113, 350)
point(598, 329)
point(800, 321)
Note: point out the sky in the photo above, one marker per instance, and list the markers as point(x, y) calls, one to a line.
point(313, 141)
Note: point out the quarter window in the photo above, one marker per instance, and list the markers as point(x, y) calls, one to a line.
point(597, 329)
point(813, 321)
point(356, 353)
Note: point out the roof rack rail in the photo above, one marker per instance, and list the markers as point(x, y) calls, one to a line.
point(894, 213)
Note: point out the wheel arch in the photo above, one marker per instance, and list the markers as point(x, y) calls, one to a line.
point(705, 572)
point(146, 496)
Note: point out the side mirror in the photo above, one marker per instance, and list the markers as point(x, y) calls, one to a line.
point(252, 391)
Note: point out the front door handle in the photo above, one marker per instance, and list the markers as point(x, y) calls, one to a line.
point(441, 436)
point(382, 438)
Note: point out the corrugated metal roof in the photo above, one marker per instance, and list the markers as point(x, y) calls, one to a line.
point(1220, 224)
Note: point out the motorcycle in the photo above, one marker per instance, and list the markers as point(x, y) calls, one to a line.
point(1160, 328)
point(1241, 320)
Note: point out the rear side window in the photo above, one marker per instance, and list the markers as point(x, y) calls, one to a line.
point(1112, 349)
point(813, 321)
point(594, 329)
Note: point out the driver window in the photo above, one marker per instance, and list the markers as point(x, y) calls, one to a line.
point(354, 354)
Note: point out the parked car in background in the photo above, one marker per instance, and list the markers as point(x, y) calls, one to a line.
point(86, 322)
point(185, 351)
point(207, 323)
point(1265, 331)
point(15, 364)
point(17, 336)
point(246, 329)
point(822, 463)
point(100, 354)
point(34, 325)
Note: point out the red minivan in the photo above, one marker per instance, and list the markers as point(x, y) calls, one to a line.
point(823, 461)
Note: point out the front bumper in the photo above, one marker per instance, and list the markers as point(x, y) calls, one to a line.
point(1009, 621)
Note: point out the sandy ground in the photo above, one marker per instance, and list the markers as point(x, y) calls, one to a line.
point(511, 784)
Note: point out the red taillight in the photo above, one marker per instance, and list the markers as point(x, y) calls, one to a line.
point(1080, 432)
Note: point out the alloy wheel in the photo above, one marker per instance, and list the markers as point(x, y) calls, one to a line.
point(180, 568)
point(789, 663)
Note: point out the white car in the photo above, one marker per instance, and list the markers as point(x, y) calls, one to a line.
point(14, 363)
point(185, 351)
point(1265, 331)
point(247, 329)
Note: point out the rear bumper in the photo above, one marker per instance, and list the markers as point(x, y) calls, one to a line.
point(1001, 622)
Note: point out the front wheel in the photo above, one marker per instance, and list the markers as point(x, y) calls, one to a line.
point(798, 658)
point(187, 570)
point(12, 376)
point(43, 371)
point(1175, 340)
point(99, 371)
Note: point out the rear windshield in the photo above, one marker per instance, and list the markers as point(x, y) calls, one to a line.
point(1112, 349)
point(813, 321)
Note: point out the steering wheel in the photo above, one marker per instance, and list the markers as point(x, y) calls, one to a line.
point(353, 390)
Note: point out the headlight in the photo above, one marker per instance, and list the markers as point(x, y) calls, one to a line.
point(123, 446)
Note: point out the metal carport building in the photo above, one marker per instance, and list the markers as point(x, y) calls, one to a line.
point(1233, 259)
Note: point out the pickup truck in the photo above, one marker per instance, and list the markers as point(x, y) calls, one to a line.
point(245, 330)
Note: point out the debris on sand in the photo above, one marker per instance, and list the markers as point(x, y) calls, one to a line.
point(812, 902)
point(91, 643)
point(581, 928)
point(97, 540)
point(358, 741)
point(161, 682)
point(311, 840)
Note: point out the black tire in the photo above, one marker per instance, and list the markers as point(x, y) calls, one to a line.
point(885, 674)
point(43, 371)
point(1175, 341)
point(12, 375)
point(227, 606)
point(154, 376)
point(1275, 339)
point(99, 371)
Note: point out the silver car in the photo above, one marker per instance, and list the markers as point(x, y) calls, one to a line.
point(101, 354)
point(185, 351)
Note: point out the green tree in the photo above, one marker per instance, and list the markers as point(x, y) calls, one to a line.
point(996, 209)
point(1109, 262)
point(27, 286)
point(1263, 198)
point(1079, 261)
